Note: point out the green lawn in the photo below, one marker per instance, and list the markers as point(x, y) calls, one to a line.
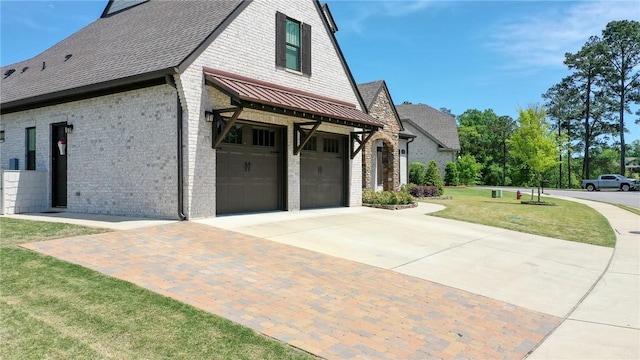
point(56, 310)
point(568, 220)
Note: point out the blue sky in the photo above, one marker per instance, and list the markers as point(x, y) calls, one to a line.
point(455, 54)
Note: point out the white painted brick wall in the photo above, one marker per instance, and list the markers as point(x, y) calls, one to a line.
point(121, 155)
point(24, 191)
point(423, 150)
point(247, 47)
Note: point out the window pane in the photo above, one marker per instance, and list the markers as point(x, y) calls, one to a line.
point(234, 136)
point(264, 137)
point(31, 139)
point(293, 33)
point(293, 58)
point(31, 149)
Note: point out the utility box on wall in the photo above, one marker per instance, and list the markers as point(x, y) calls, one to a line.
point(14, 164)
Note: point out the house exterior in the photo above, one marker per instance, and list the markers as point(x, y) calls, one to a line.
point(170, 109)
point(437, 134)
point(384, 160)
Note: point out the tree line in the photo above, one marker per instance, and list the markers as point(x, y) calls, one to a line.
point(584, 118)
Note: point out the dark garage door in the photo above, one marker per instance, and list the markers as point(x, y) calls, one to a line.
point(248, 168)
point(322, 169)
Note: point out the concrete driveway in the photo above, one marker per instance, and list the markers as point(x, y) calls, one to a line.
point(538, 273)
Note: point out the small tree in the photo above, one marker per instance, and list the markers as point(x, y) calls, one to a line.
point(417, 173)
point(433, 178)
point(534, 143)
point(469, 170)
point(451, 176)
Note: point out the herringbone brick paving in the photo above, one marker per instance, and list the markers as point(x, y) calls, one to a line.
point(331, 307)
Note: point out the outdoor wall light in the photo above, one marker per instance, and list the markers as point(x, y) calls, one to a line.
point(68, 129)
point(208, 116)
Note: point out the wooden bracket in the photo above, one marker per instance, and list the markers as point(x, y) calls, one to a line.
point(361, 138)
point(219, 121)
point(301, 136)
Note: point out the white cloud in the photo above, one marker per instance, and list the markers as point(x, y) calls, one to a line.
point(541, 39)
point(364, 10)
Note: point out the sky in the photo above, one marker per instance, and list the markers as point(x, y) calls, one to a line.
point(460, 55)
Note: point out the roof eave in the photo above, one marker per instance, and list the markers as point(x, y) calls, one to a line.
point(88, 91)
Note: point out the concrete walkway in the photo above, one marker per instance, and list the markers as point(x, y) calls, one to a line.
point(606, 323)
point(350, 296)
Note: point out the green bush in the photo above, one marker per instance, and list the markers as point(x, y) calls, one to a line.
point(417, 172)
point(469, 170)
point(386, 197)
point(432, 177)
point(451, 176)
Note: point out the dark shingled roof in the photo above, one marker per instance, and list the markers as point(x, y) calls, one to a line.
point(438, 125)
point(144, 41)
point(369, 91)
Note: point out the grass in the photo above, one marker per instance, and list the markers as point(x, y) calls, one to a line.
point(568, 220)
point(15, 231)
point(56, 310)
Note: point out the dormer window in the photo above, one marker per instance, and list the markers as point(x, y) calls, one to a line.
point(293, 44)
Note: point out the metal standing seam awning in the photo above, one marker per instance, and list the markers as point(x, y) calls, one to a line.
point(259, 95)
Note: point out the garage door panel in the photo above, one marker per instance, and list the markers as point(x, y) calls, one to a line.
point(248, 174)
point(322, 174)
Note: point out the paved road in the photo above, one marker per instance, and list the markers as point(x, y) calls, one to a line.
point(630, 198)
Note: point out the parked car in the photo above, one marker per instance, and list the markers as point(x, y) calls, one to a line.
point(610, 181)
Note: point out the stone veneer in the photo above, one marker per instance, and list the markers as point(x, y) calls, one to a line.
point(382, 109)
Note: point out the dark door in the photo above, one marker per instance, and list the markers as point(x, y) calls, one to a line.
point(322, 180)
point(248, 168)
point(59, 151)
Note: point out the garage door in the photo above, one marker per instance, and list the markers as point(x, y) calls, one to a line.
point(322, 172)
point(248, 168)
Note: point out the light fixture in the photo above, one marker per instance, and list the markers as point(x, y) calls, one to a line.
point(209, 116)
point(68, 129)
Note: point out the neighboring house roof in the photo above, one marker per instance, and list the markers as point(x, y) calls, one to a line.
point(261, 92)
point(437, 125)
point(370, 91)
point(149, 39)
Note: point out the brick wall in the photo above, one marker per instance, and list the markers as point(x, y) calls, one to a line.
point(121, 155)
point(23, 192)
point(423, 150)
point(247, 47)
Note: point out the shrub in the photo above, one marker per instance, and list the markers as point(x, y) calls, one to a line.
point(417, 173)
point(432, 177)
point(451, 176)
point(423, 191)
point(469, 170)
point(386, 197)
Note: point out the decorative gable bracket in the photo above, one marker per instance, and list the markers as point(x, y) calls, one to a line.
point(221, 125)
point(358, 141)
point(302, 135)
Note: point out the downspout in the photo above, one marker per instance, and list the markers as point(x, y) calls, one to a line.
point(409, 141)
point(170, 81)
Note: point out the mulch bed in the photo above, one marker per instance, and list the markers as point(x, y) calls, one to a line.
point(393, 207)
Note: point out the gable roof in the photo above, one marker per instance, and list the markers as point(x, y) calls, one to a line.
point(142, 42)
point(437, 125)
point(370, 91)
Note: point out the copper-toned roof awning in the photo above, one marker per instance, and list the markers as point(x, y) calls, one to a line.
point(258, 94)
